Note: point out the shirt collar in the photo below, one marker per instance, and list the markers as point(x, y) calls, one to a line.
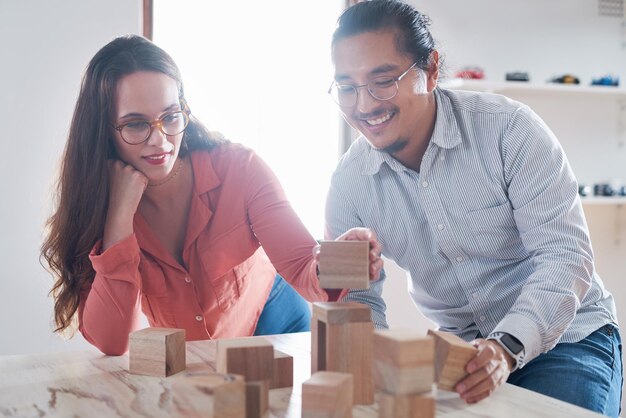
point(205, 177)
point(446, 134)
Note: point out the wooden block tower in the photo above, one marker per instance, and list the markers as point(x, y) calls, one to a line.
point(404, 373)
point(252, 358)
point(157, 351)
point(403, 362)
point(341, 341)
point(451, 356)
point(327, 395)
point(416, 405)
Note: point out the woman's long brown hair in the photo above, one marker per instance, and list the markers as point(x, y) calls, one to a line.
point(82, 189)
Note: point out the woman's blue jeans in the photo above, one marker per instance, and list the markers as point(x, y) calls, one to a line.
point(588, 373)
point(285, 311)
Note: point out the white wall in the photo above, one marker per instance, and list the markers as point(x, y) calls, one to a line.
point(45, 46)
point(545, 38)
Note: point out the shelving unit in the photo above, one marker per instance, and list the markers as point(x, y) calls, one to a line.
point(598, 200)
point(521, 87)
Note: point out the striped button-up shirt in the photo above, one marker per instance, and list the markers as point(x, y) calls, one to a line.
point(491, 229)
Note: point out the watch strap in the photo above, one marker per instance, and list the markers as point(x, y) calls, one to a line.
point(518, 358)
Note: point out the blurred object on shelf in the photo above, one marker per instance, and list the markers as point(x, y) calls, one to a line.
point(565, 79)
point(471, 73)
point(603, 189)
point(517, 76)
point(585, 190)
point(607, 80)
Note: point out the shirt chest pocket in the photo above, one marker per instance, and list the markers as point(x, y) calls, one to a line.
point(155, 301)
point(229, 287)
point(494, 233)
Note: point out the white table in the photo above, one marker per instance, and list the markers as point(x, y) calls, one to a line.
point(89, 384)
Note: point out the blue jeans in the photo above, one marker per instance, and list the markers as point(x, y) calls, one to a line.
point(588, 373)
point(285, 311)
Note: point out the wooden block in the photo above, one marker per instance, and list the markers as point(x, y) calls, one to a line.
point(252, 357)
point(341, 312)
point(157, 351)
point(403, 362)
point(257, 398)
point(344, 265)
point(283, 370)
point(211, 395)
point(341, 341)
point(405, 406)
point(327, 395)
point(451, 356)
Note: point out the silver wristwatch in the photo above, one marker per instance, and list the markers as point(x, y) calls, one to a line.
point(511, 345)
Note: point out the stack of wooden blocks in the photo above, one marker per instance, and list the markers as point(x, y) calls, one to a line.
point(340, 336)
point(404, 374)
point(348, 359)
point(161, 352)
point(246, 369)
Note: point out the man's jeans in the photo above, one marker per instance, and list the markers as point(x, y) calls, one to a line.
point(285, 311)
point(588, 373)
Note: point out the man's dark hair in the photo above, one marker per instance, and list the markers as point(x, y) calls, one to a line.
point(411, 27)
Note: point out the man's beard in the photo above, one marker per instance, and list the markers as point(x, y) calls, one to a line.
point(396, 147)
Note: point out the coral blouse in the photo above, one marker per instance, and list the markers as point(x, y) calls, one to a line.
point(237, 205)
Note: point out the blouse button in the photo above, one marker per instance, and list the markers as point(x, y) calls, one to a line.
point(198, 317)
point(187, 279)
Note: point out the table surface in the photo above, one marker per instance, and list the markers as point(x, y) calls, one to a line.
point(89, 384)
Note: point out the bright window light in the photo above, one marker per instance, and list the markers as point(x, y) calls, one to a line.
point(258, 72)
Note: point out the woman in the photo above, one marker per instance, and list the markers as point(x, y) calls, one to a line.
point(155, 214)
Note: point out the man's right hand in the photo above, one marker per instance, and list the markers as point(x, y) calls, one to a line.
point(126, 187)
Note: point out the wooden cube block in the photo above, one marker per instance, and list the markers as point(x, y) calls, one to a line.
point(257, 398)
point(405, 406)
point(337, 313)
point(341, 341)
point(327, 395)
point(344, 265)
point(252, 357)
point(211, 395)
point(157, 351)
point(403, 362)
point(451, 356)
point(283, 370)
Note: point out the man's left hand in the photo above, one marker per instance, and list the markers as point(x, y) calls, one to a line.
point(489, 369)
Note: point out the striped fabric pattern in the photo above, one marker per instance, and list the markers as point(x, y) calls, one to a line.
point(491, 230)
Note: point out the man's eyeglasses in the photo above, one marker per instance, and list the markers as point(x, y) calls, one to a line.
point(138, 131)
point(380, 88)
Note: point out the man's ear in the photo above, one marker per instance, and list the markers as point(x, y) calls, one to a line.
point(433, 71)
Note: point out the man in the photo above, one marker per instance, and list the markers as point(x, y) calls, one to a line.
point(472, 194)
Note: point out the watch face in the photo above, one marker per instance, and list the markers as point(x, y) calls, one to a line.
point(512, 343)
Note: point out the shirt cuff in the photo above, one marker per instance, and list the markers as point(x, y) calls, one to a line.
point(118, 260)
point(525, 330)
